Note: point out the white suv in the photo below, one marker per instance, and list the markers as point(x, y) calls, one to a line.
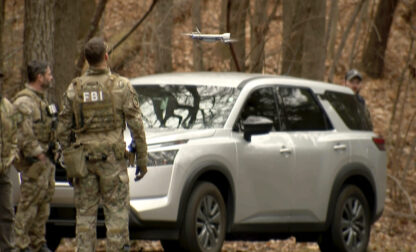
point(247, 156)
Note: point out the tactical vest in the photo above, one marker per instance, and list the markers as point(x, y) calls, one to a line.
point(42, 122)
point(7, 130)
point(94, 106)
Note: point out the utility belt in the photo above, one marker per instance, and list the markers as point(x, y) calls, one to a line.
point(77, 155)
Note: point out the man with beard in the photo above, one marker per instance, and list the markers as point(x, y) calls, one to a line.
point(35, 138)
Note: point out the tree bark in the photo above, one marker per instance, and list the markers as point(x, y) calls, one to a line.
point(1, 39)
point(293, 31)
point(163, 36)
point(198, 62)
point(257, 36)
point(373, 55)
point(331, 31)
point(236, 13)
point(67, 20)
point(314, 49)
point(38, 32)
point(38, 36)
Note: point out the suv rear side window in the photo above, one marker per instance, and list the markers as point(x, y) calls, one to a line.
point(353, 113)
point(303, 113)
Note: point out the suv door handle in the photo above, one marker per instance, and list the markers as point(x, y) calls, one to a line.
point(340, 147)
point(285, 150)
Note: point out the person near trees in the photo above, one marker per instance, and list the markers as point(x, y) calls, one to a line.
point(353, 79)
point(9, 152)
point(96, 109)
point(35, 139)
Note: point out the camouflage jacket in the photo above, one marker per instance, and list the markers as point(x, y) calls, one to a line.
point(8, 144)
point(125, 106)
point(36, 126)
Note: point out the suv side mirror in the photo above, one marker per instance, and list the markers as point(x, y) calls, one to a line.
point(256, 125)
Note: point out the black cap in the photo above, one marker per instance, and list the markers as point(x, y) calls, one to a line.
point(353, 73)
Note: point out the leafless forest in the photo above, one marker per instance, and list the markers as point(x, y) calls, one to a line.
point(314, 39)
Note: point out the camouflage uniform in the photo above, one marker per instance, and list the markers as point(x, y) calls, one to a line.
point(9, 152)
point(96, 108)
point(37, 177)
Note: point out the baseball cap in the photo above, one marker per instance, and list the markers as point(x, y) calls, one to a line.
point(353, 73)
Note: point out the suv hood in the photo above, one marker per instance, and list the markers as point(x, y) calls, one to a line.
point(159, 136)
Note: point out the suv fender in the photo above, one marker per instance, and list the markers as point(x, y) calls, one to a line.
point(216, 173)
point(356, 174)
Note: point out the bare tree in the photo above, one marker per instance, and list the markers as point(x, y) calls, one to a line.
point(1, 36)
point(293, 30)
point(67, 21)
point(303, 45)
point(197, 46)
point(331, 31)
point(235, 16)
point(257, 36)
point(163, 36)
point(373, 55)
point(38, 31)
point(314, 49)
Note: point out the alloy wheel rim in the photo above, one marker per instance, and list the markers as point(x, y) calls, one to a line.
point(208, 222)
point(353, 224)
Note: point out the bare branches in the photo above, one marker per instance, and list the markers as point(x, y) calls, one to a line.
point(93, 29)
point(134, 27)
point(344, 40)
point(405, 193)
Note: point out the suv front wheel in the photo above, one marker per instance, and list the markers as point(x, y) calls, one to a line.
point(350, 226)
point(205, 219)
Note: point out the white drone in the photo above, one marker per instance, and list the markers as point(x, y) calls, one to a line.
point(197, 35)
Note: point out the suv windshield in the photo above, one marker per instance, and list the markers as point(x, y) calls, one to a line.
point(185, 106)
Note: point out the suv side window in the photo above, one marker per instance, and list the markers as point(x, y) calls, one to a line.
point(261, 102)
point(353, 113)
point(303, 113)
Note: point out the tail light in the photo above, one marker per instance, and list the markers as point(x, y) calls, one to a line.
point(379, 142)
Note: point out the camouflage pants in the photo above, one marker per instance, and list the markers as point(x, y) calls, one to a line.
point(6, 213)
point(107, 183)
point(33, 208)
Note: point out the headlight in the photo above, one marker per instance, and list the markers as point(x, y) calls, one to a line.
point(159, 158)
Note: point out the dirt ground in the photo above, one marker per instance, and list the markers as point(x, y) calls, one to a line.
point(388, 235)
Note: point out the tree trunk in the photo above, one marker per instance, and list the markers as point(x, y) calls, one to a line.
point(67, 21)
point(257, 36)
point(163, 36)
point(303, 45)
point(373, 55)
point(236, 13)
point(2, 6)
point(331, 31)
point(197, 45)
point(314, 49)
point(293, 31)
point(38, 32)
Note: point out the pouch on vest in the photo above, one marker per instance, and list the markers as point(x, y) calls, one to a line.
point(35, 170)
point(75, 163)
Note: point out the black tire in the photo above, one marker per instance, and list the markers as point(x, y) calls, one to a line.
point(204, 224)
point(350, 227)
